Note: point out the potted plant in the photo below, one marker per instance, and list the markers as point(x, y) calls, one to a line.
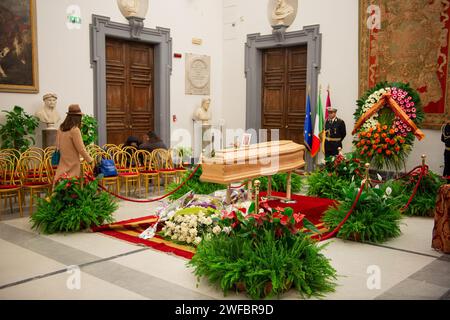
point(89, 126)
point(18, 130)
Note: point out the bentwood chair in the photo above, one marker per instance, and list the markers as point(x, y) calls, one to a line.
point(128, 172)
point(9, 187)
point(35, 152)
point(12, 155)
point(34, 177)
point(111, 182)
point(147, 170)
point(161, 158)
point(176, 158)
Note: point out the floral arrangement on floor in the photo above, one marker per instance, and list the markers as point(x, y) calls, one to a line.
point(265, 254)
point(75, 204)
point(176, 214)
point(376, 217)
point(384, 139)
point(191, 225)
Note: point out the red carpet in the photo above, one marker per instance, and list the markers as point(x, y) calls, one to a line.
point(312, 208)
point(129, 230)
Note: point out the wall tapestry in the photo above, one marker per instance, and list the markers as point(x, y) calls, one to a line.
point(408, 41)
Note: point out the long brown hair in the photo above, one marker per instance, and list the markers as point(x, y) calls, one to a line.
point(71, 121)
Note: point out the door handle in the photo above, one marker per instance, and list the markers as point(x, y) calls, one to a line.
point(286, 127)
point(131, 126)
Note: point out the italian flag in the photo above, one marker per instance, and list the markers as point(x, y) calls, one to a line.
point(318, 128)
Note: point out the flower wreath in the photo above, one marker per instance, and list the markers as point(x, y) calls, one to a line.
point(385, 139)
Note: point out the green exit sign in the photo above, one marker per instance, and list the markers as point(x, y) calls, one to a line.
point(74, 19)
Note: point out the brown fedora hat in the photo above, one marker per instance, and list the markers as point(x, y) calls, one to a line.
point(74, 109)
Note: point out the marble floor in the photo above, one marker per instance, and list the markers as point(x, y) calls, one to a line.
point(35, 266)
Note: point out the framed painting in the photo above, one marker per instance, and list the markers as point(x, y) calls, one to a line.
point(408, 41)
point(18, 46)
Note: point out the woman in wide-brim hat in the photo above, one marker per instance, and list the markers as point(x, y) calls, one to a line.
point(70, 144)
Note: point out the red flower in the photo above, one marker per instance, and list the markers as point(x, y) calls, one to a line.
point(232, 215)
point(392, 142)
point(385, 127)
point(380, 150)
point(283, 219)
point(374, 146)
point(298, 218)
point(384, 135)
point(392, 131)
point(387, 140)
point(388, 152)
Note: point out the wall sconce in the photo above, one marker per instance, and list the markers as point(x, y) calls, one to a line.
point(134, 11)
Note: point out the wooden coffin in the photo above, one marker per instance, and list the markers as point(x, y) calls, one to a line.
point(263, 159)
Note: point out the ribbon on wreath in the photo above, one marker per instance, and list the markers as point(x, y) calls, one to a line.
point(387, 99)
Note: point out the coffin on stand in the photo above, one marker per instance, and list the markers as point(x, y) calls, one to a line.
point(263, 159)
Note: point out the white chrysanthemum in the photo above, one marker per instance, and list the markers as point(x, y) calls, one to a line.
point(193, 232)
point(184, 225)
point(216, 230)
point(174, 237)
point(189, 240)
point(226, 230)
point(197, 240)
point(182, 238)
point(208, 221)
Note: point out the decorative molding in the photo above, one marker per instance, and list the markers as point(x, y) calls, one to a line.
point(279, 31)
point(256, 43)
point(136, 25)
point(103, 27)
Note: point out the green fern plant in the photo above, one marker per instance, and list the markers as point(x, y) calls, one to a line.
point(264, 266)
point(73, 207)
point(376, 217)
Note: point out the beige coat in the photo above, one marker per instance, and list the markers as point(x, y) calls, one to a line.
point(71, 147)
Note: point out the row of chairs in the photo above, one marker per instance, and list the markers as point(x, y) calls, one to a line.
point(135, 166)
point(31, 172)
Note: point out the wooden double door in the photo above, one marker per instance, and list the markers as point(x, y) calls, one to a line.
point(129, 89)
point(284, 74)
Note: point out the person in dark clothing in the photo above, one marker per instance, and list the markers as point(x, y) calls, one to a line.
point(132, 141)
point(445, 138)
point(152, 142)
point(335, 133)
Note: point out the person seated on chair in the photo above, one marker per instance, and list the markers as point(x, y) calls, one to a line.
point(132, 141)
point(151, 141)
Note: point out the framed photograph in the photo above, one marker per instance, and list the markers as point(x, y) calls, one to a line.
point(246, 140)
point(18, 46)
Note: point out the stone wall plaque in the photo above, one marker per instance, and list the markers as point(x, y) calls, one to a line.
point(198, 74)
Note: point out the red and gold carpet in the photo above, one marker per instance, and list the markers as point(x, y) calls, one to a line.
point(130, 230)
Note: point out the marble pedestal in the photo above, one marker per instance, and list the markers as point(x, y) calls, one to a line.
point(49, 137)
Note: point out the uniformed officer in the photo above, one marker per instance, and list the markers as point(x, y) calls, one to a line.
point(445, 138)
point(335, 133)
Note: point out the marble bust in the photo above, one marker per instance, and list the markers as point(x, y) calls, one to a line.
point(48, 114)
point(129, 7)
point(202, 113)
point(282, 11)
